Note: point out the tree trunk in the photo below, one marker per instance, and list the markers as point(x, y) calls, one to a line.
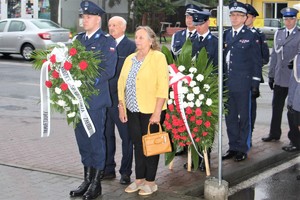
point(54, 10)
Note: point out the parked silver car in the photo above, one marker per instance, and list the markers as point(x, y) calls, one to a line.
point(22, 36)
point(271, 25)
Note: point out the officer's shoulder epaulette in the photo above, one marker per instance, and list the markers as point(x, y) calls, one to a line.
point(106, 35)
point(253, 30)
point(258, 30)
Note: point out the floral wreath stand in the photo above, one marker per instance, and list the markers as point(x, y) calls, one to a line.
point(192, 113)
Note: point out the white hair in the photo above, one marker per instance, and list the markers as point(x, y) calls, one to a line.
point(121, 19)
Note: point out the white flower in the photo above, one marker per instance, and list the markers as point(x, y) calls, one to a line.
point(57, 90)
point(193, 83)
point(184, 90)
point(72, 114)
point(208, 101)
point(206, 87)
point(67, 108)
point(201, 97)
point(172, 94)
point(77, 83)
point(185, 104)
point(196, 90)
point(170, 101)
point(199, 77)
point(191, 104)
point(61, 103)
point(190, 96)
point(193, 70)
point(181, 68)
point(198, 103)
point(75, 101)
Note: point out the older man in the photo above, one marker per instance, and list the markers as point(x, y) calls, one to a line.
point(125, 47)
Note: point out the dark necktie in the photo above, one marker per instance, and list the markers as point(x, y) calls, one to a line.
point(86, 38)
point(235, 33)
point(200, 38)
point(288, 34)
point(190, 34)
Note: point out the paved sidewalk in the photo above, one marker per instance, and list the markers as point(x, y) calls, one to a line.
point(48, 168)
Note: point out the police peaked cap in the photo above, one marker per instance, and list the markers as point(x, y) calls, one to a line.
point(237, 6)
point(289, 12)
point(191, 9)
point(251, 10)
point(90, 8)
point(200, 17)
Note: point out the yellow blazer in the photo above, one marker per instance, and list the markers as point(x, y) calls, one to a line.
point(152, 81)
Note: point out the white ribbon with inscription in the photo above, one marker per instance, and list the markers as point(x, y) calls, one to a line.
point(61, 54)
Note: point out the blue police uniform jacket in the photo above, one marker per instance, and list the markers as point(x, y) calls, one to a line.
point(124, 48)
point(179, 39)
point(242, 60)
point(210, 43)
point(263, 45)
point(104, 43)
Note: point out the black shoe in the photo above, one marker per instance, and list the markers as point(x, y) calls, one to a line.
point(88, 175)
point(290, 148)
point(240, 156)
point(269, 139)
point(108, 176)
point(229, 154)
point(94, 189)
point(125, 179)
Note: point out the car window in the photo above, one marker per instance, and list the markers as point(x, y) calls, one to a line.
point(2, 26)
point(16, 26)
point(45, 24)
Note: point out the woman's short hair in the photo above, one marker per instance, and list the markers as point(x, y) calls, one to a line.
point(152, 36)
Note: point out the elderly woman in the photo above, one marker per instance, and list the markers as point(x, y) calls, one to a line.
point(143, 91)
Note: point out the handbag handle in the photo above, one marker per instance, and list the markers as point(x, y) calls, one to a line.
point(160, 129)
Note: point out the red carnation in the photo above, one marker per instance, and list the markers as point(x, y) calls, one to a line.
point(43, 61)
point(167, 116)
point(48, 84)
point(189, 110)
point(176, 136)
point(49, 68)
point(181, 144)
point(171, 107)
point(209, 113)
point(64, 86)
point(73, 51)
point(181, 129)
point(183, 138)
point(192, 118)
point(174, 131)
point(188, 143)
point(198, 112)
point(53, 58)
point(193, 134)
point(197, 140)
point(199, 121)
point(204, 134)
point(195, 130)
point(169, 126)
point(83, 65)
point(55, 74)
point(67, 65)
point(207, 124)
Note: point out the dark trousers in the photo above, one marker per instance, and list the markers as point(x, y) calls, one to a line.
point(127, 148)
point(279, 96)
point(253, 112)
point(145, 167)
point(93, 149)
point(294, 133)
point(238, 121)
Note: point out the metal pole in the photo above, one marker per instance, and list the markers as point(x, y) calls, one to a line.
point(220, 70)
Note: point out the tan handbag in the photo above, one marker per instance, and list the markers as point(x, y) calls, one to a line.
point(156, 143)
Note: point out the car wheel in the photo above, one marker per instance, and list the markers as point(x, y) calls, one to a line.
point(26, 51)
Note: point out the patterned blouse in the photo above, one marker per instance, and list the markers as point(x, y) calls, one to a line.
point(130, 90)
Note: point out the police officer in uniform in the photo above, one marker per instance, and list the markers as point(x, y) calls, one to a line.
point(93, 149)
point(251, 16)
point(294, 107)
point(285, 48)
point(179, 38)
point(242, 68)
point(204, 39)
